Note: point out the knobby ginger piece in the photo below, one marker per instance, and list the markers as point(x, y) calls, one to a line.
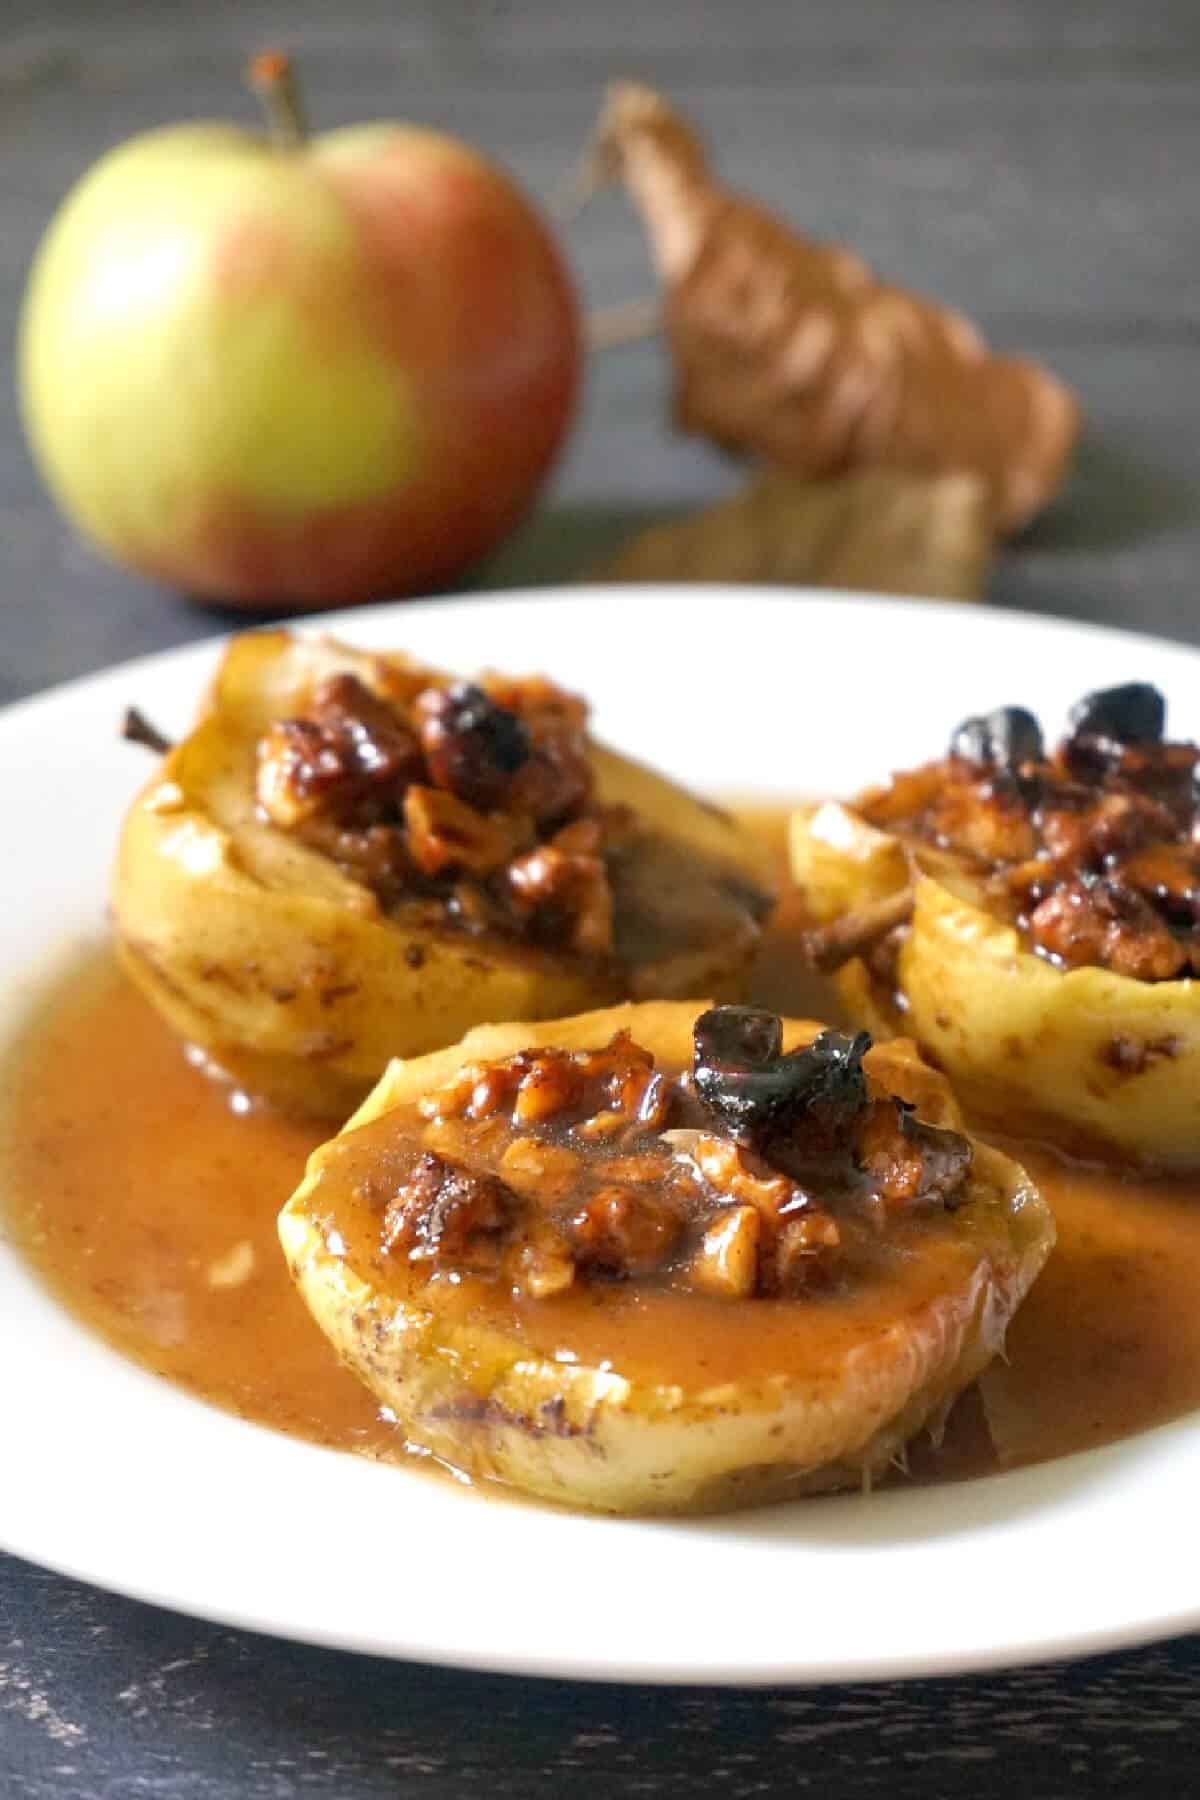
point(880, 529)
point(795, 350)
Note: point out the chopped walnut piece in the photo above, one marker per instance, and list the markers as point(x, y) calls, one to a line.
point(569, 891)
point(727, 1260)
point(1161, 873)
point(543, 1172)
point(623, 1089)
point(800, 1256)
point(641, 1169)
point(624, 1232)
point(603, 1124)
point(550, 1087)
point(472, 907)
point(1093, 830)
point(445, 833)
point(478, 1091)
point(445, 1210)
point(450, 1101)
point(986, 818)
point(734, 1172)
point(1103, 922)
point(491, 1092)
point(448, 1137)
point(349, 751)
point(625, 1072)
point(544, 1264)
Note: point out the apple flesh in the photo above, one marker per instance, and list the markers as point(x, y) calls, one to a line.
point(305, 376)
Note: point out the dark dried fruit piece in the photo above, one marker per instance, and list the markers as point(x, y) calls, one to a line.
point(738, 1036)
point(757, 1094)
point(1134, 713)
point(472, 745)
point(1003, 739)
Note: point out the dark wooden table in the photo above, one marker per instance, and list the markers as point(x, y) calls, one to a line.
point(1033, 163)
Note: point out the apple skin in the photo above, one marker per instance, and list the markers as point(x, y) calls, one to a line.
point(297, 377)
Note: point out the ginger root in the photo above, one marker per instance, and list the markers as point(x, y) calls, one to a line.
point(796, 351)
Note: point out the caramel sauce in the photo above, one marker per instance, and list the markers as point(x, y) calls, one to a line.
point(655, 1329)
point(147, 1202)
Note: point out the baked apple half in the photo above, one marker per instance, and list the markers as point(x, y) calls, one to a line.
point(1030, 916)
point(650, 1260)
point(353, 857)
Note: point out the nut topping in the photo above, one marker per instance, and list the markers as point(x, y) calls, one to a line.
point(349, 757)
point(743, 1177)
point(477, 799)
point(1092, 849)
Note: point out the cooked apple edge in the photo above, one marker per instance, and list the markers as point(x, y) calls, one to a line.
point(1094, 1059)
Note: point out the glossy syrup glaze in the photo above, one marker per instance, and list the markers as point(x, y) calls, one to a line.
point(147, 1202)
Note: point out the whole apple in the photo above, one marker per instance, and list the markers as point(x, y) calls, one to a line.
point(299, 373)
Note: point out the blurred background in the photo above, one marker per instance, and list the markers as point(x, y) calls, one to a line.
point(1031, 164)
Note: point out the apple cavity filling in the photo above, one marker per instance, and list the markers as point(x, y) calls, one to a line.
point(472, 806)
point(753, 1174)
point(1091, 849)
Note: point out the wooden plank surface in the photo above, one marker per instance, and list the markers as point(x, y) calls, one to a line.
point(1034, 164)
point(103, 1698)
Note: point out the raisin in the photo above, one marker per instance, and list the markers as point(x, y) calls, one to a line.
point(473, 746)
point(1134, 713)
point(759, 1095)
point(1003, 739)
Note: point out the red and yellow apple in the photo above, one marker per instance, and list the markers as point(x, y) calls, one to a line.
point(303, 373)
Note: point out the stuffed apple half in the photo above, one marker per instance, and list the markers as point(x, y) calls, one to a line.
point(353, 857)
point(654, 1260)
point(1032, 918)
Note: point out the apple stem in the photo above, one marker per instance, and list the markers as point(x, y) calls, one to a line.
point(137, 729)
point(273, 79)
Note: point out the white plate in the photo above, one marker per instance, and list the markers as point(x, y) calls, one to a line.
point(114, 1476)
